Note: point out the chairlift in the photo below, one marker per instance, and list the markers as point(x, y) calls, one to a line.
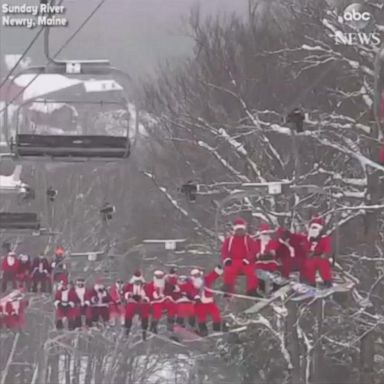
point(19, 221)
point(69, 147)
point(13, 184)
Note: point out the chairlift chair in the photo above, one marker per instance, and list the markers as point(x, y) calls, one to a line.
point(72, 147)
point(19, 221)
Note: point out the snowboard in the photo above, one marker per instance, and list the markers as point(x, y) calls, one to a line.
point(305, 292)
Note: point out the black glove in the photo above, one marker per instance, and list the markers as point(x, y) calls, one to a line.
point(219, 266)
point(136, 298)
point(227, 262)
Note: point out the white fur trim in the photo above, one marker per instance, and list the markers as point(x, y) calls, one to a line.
point(316, 225)
point(195, 272)
point(239, 226)
point(219, 271)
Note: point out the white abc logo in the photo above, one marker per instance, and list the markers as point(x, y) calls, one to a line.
point(356, 17)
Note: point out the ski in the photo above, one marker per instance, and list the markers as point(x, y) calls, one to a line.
point(238, 295)
point(276, 295)
point(217, 334)
point(312, 292)
point(166, 339)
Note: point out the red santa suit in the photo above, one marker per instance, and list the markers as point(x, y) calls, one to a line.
point(99, 299)
point(24, 272)
point(83, 308)
point(318, 249)
point(185, 305)
point(14, 313)
point(265, 249)
point(10, 266)
point(290, 252)
point(40, 274)
point(204, 298)
point(116, 306)
point(160, 295)
point(66, 302)
point(138, 303)
point(237, 254)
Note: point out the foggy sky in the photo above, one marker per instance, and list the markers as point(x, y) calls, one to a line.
point(133, 34)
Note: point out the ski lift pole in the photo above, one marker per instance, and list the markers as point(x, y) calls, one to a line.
point(379, 86)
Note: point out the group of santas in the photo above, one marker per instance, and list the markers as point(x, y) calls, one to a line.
point(184, 299)
point(37, 274)
point(276, 250)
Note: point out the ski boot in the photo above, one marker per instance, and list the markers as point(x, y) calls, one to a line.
point(180, 321)
point(170, 323)
point(127, 325)
point(59, 325)
point(203, 329)
point(154, 324)
point(192, 321)
point(144, 327)
point(216, 327)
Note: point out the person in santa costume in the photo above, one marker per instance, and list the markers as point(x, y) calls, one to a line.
point(185, 305)
point(24, 272)
point(237, 254)
point(204, 299)
point(136, 296)
point(83, 308)
point(40, 274)
point(318, 248)
point(265, 248)
point(10, 266)
point(14, 313)
point(66, 301)
point(116, 306)
point(290, 252)
point(100, 300)
point(160, 295)
point(58, 267)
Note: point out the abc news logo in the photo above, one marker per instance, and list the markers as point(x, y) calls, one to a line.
point(357, 18)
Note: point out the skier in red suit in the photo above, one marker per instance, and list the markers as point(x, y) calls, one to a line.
point(318, 247)
point(66, 301)
point(83, 308)
point(237, 255)
point(24, 272)
point(99, 300)
point(14, 314)
point(265, 249)
point(58, 266)
point(160, 294)
point(136, 296)
point(204, 299)
point(185, 306)
point(116, 306)
point(290, 252)
point(10, 266)
point(40, 274)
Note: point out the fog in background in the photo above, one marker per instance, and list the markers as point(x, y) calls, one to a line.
point(134, 34)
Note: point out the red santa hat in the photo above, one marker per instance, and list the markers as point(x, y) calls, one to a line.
point(196, 272)
point(239, 224)
point(59, 251)
point(172, 272)
point(316, 222)
point(64, 281)
point(99, 282)
point(137, 276)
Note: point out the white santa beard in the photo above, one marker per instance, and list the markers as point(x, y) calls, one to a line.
point(10, 260)
point(159, 283)
point(197, 282)
point(64, 295)
point(314, 232)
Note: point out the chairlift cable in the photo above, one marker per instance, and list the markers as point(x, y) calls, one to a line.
point(21, 58)
point(82, 25)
